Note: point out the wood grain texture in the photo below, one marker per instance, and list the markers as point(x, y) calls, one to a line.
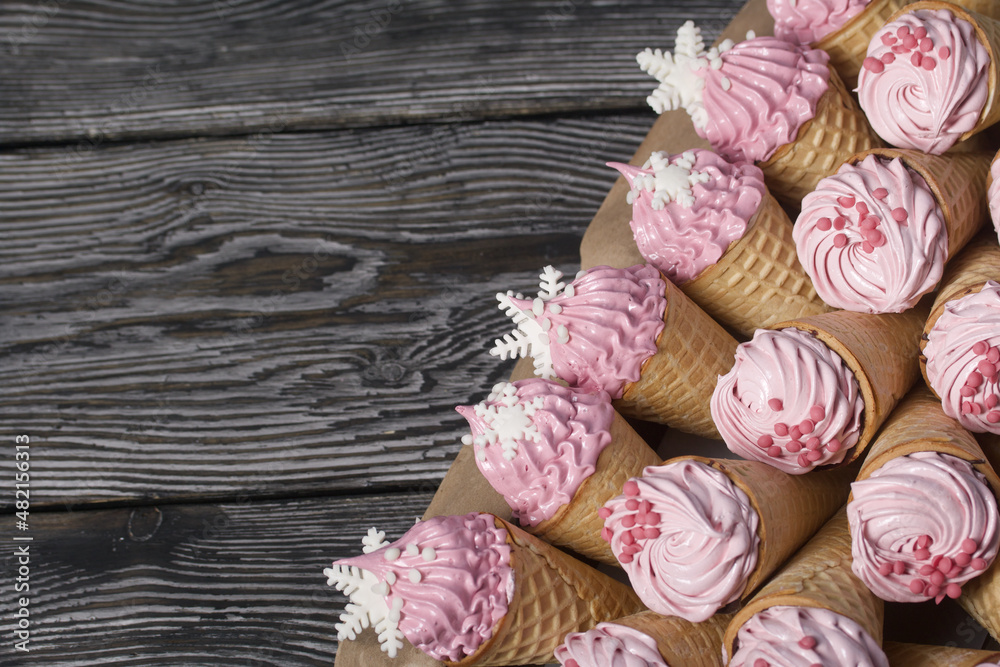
point(280, 316)
point(96, 71)
point(239, 583)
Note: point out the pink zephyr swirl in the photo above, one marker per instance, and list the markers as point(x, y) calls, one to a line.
point(924, 82)
point(808, 21)
point(921, 526)
point(872, 237)
point(609, 645)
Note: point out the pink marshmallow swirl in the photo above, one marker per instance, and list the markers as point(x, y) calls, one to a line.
point(687, 234)
point(537, 441)
point(963, 359)
point(872, 237)
point(993, 195)
point(808, 21)
point(921, 526)
point(924, 82)
point(765, 90)
point(805, 637)
point(686, 536)
point(452, 578)
point(789, 401)
point(609, 645)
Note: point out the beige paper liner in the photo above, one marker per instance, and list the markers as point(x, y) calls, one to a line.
point(791, 508)
point(848, 45)
point(682, 643)
point(818, 576)
point(837, 131)
point(675, 385)
point(966, 274)
point(554, 594)
point(759, 280)
point(576, 524)
point(880, 350)
point(921, 655)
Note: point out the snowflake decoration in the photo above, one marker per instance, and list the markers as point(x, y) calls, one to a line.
point(373, 541)
point(668, 182)
point(506, 420)
point(367, 607)
point(681, 74)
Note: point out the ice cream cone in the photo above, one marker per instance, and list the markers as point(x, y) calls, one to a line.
point(676, 383)
point(922, 655)
point(576, 525)
point(838, 130)
point(759, 280)
point(554, 594)
point(791, 508)
point(848, 45)
point(989, 8)
point(819, 576)
point(880, 350)
point(682, 643)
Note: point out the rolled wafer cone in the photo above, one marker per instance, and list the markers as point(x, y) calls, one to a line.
point(996, 156)
point(675, 385)
point(837, 131)
point(966, 274)
point(880, 350)
point(818, 576)
point(923, 655)
point(759, 280)
point(576, 524)
point(682, 643)
point(554, 594)
point(848, 45)
point(989, 8)
point(981, 599)
point(790, 508)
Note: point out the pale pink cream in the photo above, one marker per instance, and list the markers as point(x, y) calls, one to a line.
point(686, 536)
point(687, 233)
point(993, 195)
point(963, 359)
point(921, 526)
point(808, 21)
point(609, 645)
point(805, 636)
point(453, 579)
point(872, 237)
point(537, 441)
point(789, 401)
point(924, 81)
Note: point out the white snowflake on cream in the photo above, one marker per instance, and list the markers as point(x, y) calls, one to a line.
point(531, 335)
point(668, 182)
point(681, 74)
point(506, 421)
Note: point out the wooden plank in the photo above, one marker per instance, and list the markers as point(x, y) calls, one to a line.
point(95, 71)
point(239, 583)
point(205, 318)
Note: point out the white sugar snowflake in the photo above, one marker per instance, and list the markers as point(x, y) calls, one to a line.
point(367, 607)
point(668, 182)
point(509, 422)
point(373, 541)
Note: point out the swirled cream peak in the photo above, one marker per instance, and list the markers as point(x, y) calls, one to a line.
point(804, 636)
point(872, 237)
point(963, 359)
point(688, 208)
point(993, 195)
point(444, 586)
point(609, 645)
point(537, 441)
point(686, 536)
point(924, 81)
point(747, 100)
point(789, 401)
point(808, 21)
point(921, 526)
point(594, 333)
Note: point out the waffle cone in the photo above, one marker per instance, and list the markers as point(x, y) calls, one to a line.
point(682, 643)
point(554, 594)
point(989, 174)
point(576, 524)
point(978, 262)
point(880, 350)
point(759, 280)
point(676, 383)
point(837, 131)
point(921, 655)
point(848, 45)
point(981, 599)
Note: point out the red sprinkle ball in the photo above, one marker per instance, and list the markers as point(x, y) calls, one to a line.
point(916, 43)
point(939, 570)
point(986, 370)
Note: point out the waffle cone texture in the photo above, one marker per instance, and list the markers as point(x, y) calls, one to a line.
point(554, 594)
point(682, 643)
point(576, 525)
point(920, 655)
point(759, 280)
point(675, 385)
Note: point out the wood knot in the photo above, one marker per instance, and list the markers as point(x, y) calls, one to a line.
point(143, 523)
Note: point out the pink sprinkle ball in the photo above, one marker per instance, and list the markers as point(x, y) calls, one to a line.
point(631, 504)
point(899, 567)
point(646, 506)
point(916, 587)
point(903, 31)
point(944, 53)
point(885, 569)
point(839, 222)
point(975, 378)
point(993, 355)
point(944, 565)
point(928, 63)
point(899, 214)
point(880, 193)
point(604, 512)
point(978, 564)
point(848, 201)
point(638, 533)
point(909, 41)
point(653, 518)
point(628, 521)
point(932, 591)
point(992, 400)
point(802, 460)
point(781, 429)
point(834, 446)
point(627, 537)
point(625, 559)
point(840, 240)
point(993, 416)
point(806, 426)
point(808, 643)
point(652, 532)
point(921, 554)
point(937, 577)
point(814, 455)
point(967, 391)
point(823, 224)
point(794, 446)
point(926, 44)
point(817, 412)
point(962, 559)
point(631, 488)
point(980, 347)
point(888, 58)
point(920, 32)
point(926, 569)
point(924, 541)
point(869, 223)
point(775, 403)
point(868, 247)
point(953, 590)
point(916, 59)
point(986, 368)
point(888, 39)
point(774, 451)
point(812, 443)
point(765, 441)
point(606, 534)
point(862, 208)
